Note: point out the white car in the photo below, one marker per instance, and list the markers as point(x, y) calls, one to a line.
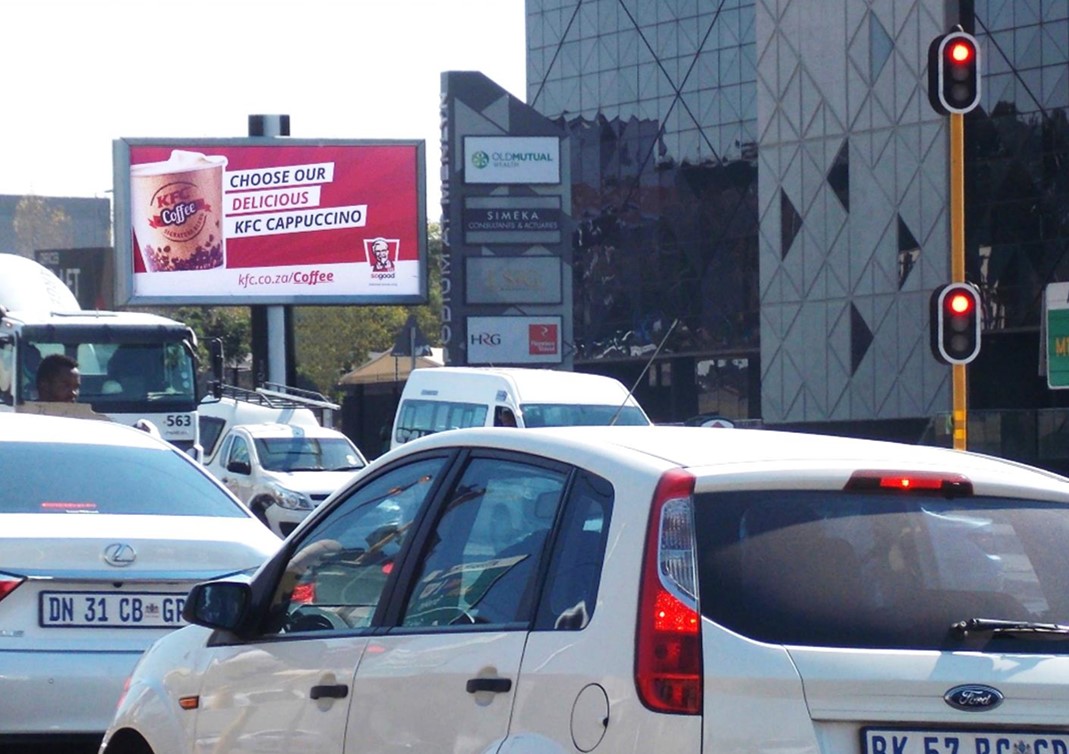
point(103, 530)
point(637, 589)
point(283, 471)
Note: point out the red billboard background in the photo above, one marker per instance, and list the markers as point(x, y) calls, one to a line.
point(385, 180)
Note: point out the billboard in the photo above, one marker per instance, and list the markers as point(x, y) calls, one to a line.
point(270, 221)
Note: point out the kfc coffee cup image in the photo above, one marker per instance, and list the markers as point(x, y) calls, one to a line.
point(177, 211)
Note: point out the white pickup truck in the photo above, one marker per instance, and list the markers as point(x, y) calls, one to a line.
point(283, 471)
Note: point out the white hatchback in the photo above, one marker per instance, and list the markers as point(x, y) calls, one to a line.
point(103, 529)
point(637, 589)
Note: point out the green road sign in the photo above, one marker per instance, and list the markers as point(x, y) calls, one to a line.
point(1056, 324)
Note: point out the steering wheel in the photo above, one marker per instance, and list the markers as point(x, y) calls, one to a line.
point(312, 618)
point(462, 616)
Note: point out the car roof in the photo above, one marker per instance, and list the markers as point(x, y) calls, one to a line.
point(537, 385)
point(23, 427)
point(768, 455)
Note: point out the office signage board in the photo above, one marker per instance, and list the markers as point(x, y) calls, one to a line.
point(513, 280)
point(270, 221)
point(514, 340)
point(492, 220)
point(512, 159)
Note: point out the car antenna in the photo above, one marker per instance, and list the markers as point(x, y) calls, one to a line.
point(645, 369)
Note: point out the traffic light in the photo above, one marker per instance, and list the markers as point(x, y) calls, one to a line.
point(954, 73)
point(955, 323)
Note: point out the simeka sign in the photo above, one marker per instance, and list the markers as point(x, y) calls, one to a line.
point(512, 159)
point(271, 221)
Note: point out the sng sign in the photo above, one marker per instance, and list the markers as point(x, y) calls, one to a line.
point(514, 340)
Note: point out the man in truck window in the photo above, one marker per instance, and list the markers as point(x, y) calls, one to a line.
point(58, 379)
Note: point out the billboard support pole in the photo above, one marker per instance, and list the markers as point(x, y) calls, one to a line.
point(272, 326)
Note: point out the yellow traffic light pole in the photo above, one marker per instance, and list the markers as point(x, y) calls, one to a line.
point(957, 266)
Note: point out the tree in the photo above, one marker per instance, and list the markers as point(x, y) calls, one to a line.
point(332, 340)
point(231, 324)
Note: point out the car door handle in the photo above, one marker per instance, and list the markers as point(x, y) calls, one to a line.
point(495, 685)
point(330, 691)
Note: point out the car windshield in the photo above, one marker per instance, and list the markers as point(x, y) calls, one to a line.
point(308, 454)
point(577, 414)
point(63, 478)
point(875, 570)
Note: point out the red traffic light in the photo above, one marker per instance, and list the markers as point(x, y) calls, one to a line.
point(954, 73)
point(960, 51)
point(955, 323)
point(959, 303)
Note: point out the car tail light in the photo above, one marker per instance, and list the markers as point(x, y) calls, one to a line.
point(8, 584)
point(668, 657)
point(951, 485)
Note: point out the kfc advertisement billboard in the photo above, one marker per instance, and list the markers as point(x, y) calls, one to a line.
point(270, 221)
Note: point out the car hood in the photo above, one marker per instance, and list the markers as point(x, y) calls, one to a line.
point(77, 546)
point(319, 483)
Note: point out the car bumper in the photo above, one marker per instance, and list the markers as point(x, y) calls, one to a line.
point(284, 520)
point(55, 694)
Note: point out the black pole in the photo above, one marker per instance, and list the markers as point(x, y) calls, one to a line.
point(260, 331)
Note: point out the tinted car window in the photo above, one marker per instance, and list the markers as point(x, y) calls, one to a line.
point(419, 418)
point(211, 429)
point(575, 568)
point(482, 564)
point(336, 577)
point(62, 478)
point(577, 415)
point(238, 452)
point(307, 454)
point(872, 570)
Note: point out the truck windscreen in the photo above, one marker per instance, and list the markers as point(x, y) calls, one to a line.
point(113, 374)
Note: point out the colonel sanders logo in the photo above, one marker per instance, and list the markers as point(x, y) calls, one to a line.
point(381, 253)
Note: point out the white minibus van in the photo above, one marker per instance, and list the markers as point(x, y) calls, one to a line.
point(440, 398)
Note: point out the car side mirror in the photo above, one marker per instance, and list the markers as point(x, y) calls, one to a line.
point(218, 604)
point(239, 467)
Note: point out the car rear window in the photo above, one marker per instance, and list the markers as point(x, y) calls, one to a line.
point(883, 571)
point(61, 478)
point(580, 414)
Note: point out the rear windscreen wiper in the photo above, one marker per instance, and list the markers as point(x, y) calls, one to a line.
point(1010, 628)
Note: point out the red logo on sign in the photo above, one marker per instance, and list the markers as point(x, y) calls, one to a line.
point(542, 340)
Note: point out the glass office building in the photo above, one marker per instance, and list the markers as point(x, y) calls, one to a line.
point(760, 198)
point(659, 103)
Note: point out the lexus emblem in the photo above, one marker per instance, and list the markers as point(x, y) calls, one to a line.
point(973, 697)
point(119, 555)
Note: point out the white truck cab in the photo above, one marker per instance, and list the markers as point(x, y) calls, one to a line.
point(440, 398)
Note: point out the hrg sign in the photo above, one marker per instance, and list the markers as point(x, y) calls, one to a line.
point(514, 340)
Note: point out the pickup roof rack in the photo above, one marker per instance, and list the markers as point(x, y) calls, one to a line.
point(280, 396)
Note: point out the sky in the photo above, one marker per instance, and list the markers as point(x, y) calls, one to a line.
point(80, 73)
